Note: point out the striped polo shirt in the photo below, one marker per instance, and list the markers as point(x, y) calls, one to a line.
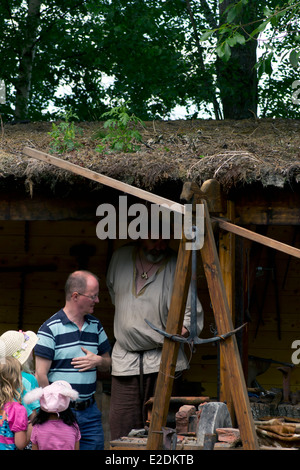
point(60, 340)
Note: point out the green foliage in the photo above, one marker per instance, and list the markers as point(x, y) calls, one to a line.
point(160, 54)
point(64, 134)
point(122, 135)
point(277, 18)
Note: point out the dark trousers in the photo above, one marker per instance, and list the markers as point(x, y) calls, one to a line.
point(128, 398)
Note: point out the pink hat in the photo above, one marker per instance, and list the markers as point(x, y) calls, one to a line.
point(54, 398)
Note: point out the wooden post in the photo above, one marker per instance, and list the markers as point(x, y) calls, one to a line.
point(228, 347)
point(170, 349)
point(227, 263)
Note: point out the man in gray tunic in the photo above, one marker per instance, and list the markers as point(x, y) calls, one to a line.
point(140, 283)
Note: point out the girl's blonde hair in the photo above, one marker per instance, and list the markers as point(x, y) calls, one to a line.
point(11, 386)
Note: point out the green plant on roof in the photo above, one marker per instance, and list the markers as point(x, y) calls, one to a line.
point(122, 135)
point(63, 135)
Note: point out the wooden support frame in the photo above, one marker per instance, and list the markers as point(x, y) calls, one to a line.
point(229, 347)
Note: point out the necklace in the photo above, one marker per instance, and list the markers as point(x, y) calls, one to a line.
point(144, 274)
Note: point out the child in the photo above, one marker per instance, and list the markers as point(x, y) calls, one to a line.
point(55, 426)
point(14, 428)
point(20, 344)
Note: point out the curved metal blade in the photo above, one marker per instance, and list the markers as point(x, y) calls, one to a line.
point(193, 340)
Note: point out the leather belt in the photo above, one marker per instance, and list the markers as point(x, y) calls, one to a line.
point(82, 405)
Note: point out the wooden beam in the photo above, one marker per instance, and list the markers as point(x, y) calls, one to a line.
point(228, 347)
point(102, 179)
point(256, 237)
point(170, 349)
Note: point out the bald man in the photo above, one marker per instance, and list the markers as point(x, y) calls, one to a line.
point(72, 346)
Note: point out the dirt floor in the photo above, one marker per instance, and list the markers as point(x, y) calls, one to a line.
point(231, 151)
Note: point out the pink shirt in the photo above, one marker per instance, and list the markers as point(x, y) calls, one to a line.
point(13, 418)
point(55, 435)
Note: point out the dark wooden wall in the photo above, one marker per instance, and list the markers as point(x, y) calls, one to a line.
point(36, 257)
point(272, 324)
point(35, 260)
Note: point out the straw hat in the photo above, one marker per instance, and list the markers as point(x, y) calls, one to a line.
point(19, 344)
point(54, 398)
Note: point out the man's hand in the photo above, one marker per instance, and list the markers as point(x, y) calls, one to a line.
point(185, 332)
point(91, 360)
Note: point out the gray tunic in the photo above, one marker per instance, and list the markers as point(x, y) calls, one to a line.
point(131, 332)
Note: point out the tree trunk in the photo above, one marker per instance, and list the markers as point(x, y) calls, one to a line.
point(237, 78)
point(211, 20)
point(23, 82)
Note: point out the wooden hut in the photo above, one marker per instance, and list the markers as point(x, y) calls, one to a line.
point(48, 229)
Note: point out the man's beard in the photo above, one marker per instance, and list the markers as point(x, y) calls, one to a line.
point(154, 256)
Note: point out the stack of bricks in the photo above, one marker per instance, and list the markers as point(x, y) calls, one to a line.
point(187, 419)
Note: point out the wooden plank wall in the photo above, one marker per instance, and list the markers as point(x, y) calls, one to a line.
point(29, 300)
point(273, 339)
point(263, 341)
point(36, 244)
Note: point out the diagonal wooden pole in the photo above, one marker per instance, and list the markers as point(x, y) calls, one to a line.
point(169, 355)
point(103, 179)
point(256, 237)
point(228, 348)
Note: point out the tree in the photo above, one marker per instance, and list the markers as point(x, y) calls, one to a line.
point(237, 75)
point(26, 58)
point(160, 53)
point(238, 68)
point(43, 45)
point(51, 43)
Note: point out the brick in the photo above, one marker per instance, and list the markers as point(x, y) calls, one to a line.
point(229, 435)
point(183, 417)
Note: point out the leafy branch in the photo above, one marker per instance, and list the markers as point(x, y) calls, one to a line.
point(63, 135)
point(232, 32)
point(122, 135)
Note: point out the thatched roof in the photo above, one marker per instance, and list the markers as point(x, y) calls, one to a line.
point(236, 153)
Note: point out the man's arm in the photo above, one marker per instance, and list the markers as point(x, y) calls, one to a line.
point(42, 367)
point(105, 362)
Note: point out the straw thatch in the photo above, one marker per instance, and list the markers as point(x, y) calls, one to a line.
point(236, 153)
